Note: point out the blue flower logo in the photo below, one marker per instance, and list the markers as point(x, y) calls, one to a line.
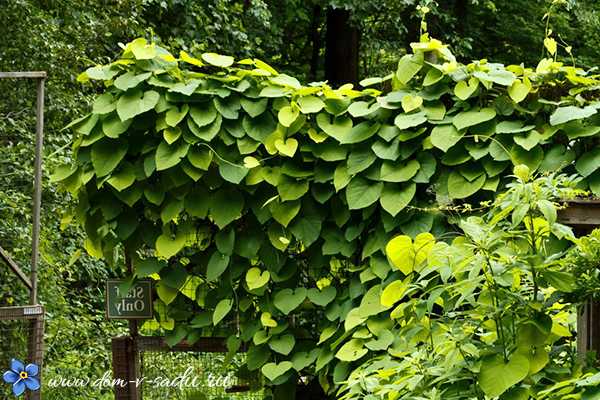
point(22, 377)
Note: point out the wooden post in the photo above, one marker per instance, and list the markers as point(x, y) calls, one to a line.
point(588, 329)
point(126, 366)
point(583, 216)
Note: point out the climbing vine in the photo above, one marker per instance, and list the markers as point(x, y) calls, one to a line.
point(262, 207)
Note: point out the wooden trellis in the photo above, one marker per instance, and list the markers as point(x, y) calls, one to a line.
point(33, 313)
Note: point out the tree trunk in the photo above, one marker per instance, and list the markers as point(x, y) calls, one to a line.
point(341, 51)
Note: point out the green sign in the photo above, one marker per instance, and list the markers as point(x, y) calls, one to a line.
point(133, 304)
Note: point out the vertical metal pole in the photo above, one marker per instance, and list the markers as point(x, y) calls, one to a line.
point(37, 195)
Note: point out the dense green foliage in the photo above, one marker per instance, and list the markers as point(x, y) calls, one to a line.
point(66, 36)
point(252, 199)
point(490, 314)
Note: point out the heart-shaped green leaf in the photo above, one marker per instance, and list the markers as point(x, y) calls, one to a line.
point(322, 297)
point(398, 172)
point(303, 359)
point(496, 376)
point(337, 128)
point(406, 121)
point(394, 197)
point(351, 351)
point(266, 319)
point(255, 278)
point(175, 115)
point(394, 292)
point(167, 246)
point(401, 253)
point(287, 115)
point(106, 155)
point(410, 102)
point(445, 136)
point(283, 344)
point(464, 90)
point(518, 91)
point(168, 156)
point(136, 102)
point(469, 118)
point(361, 193)
point(284, 212)
point(287, 148)
point(274, 371)
point(166, 293)
point(310, 104)
point(460, 187)
point(287, 300)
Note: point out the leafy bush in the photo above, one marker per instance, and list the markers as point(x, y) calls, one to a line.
point(485, 315)
point(262, 207)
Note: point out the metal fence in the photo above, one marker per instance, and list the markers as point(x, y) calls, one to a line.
point(147, 368)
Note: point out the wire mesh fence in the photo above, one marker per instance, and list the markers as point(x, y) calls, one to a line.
point(21, 338)
point(200, 376)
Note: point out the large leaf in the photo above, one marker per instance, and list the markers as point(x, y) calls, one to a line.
point(287, 300)
point(168, 156)
point(408, 67)
point(401, 253)
point(459, 187)
point(394, 198)
point(217, 264)
point(589, 162)
point(260, 127)
point(496, 376)
point(168, 245)
point(274, 371)
point(130, 80)
point(398, 172)
point(322, 297)
point(406, 121)
point(106, 155)
point(217, 60)
point(338, 128)
point(255, 278)
point(393, 293)
point(112, 126)
point(203, 113)
point(283, 344)
point(351, 351)
point(570, 113)
point(221, 310)
point(445, 136)
point(360, 133)
point(226, 206)
point(361, 193)
point(136, 102)
point(473, 117)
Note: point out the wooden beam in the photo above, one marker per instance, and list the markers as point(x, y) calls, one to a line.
point(13, 265)
point(24, 74)
point(21, 312)
point(583, 215)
